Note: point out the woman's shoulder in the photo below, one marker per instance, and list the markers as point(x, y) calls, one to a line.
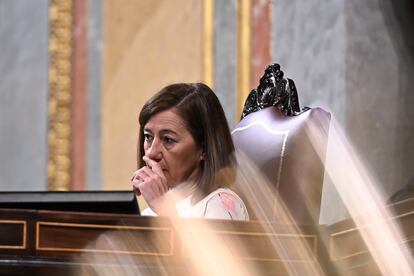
point(148, 212)
point(224, 203)
point(223, 192)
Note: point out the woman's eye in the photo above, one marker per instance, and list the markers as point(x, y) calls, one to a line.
point(169, 140)
point(147, 137)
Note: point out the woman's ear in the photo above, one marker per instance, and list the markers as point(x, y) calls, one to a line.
point(202, 154)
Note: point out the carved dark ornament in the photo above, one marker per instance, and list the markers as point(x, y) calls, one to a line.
point(274, 90)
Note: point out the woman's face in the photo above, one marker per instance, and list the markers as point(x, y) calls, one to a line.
point(168, 142)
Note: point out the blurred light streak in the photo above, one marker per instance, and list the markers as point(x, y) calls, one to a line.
point(364, 201)
point(205, 252)
point(267, 206)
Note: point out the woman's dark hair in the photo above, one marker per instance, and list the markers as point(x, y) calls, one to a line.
point(204, 118)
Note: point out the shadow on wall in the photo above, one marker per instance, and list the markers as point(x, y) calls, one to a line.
point(405, 193)
point(399, 19)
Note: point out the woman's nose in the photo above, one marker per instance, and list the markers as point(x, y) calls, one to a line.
point(154, 151)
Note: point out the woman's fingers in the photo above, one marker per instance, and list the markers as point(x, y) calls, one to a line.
point(148, 182)
point(138, 178)
point(135, 182)
point(137, 191)
point(151, 182)
point(155, 167)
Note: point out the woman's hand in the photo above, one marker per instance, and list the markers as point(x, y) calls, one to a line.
point(151, 182)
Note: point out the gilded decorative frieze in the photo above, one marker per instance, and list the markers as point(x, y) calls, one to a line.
point(208, 42)
point(243, 51)
point(59, 103)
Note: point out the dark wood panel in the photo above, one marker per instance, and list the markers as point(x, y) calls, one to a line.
point(13, 234)
point(75, 241)
point(116, 239)
point(347, 248)
point(67, 243)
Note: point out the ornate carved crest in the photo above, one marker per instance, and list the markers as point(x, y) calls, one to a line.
point(273, 90)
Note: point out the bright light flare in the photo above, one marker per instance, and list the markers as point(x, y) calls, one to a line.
point(207, 250)
point(365, 202)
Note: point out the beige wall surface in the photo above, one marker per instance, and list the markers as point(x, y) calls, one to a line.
point(147, 45)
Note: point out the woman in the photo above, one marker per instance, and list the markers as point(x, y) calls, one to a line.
point(186, 150)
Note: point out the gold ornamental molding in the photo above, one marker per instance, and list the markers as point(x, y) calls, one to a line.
point(126, 231)
point(334, 244)
point(23, 224)
point(208, 42)
point(59, 103)
point(243, 52)
point(313, 242)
